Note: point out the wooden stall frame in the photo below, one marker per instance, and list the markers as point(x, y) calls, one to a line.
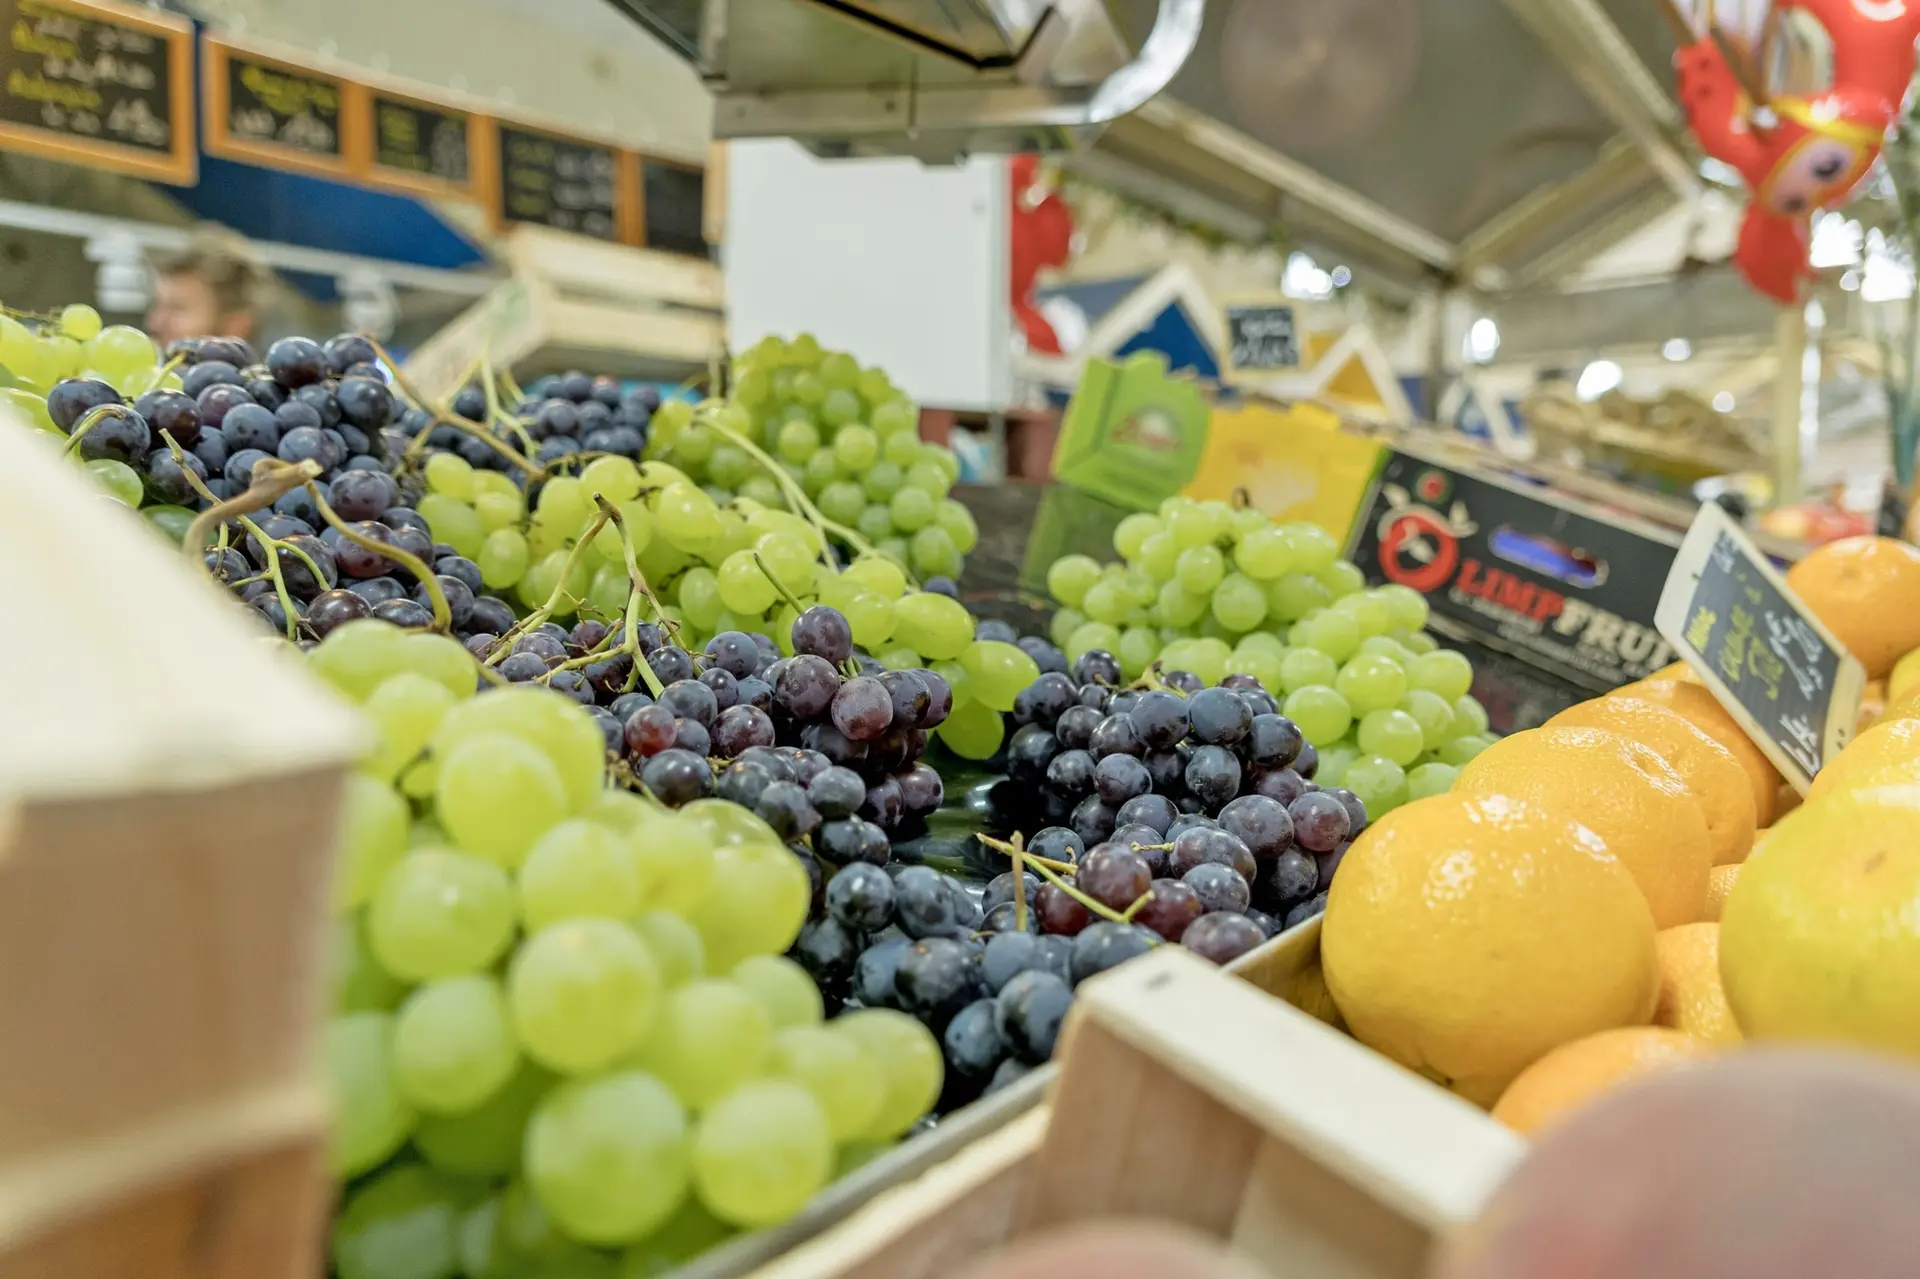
point(216, 53)
point(364, 146)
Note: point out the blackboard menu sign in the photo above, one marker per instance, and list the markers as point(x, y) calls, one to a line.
point(98, 85)
point(418, 146)
point(1262, 337)
point(274, 112)
point(553, 181)
point(674, 201)
point(1792, 685)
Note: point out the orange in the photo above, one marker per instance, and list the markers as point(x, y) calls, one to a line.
point(1719, 884)
point(1693, 703)
point(1713, 776)
point(1618, 789)
point(1690, 995)
point(1867, 591)
point(1893, 745)
point(1820, 938)
point(1676, 670)
point(1574, 1074)
point(1466, 935)
point(1904, 679)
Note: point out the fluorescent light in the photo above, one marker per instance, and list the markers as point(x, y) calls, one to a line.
point(1677, 349)
point(1724, 401)
point(1483, 341)
point(1597, 379)
point(1837, 241)
point(1303, 278)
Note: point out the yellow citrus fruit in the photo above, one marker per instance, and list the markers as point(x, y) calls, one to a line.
point(1693, 703)
point(1820, 938)
point(1466, 935)
point(1713, 776)
point(1906, 706)
point(1719, 884)
point(1884, 746)
point(1690, 995)
point(1618, 789)
point(1676, 670)
point(1574, 1074)
point(1904, 678)
point(1867, 591)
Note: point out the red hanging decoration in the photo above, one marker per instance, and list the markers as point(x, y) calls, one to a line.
point(1040, 236)
point(1817, 148)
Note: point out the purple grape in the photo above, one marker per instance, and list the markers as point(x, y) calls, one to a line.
point(939, 699)
point(670, 663)
point(1218, 887)
point(676, 777)
point(649, 730)
point(807, 686)
point(1217, 717)
point(735, 653)
point(1106, 945)
point(1075, 726)
point(1155, 811)
point(1071, 773)
point(921, 790)
point(1213, 775)
point(862, 708)
point(911, 701)
point(1295, 875)
point(740, 728)
point(331, 609)
point(521, 668)
point(1202, 845)
point(1116, 735)
point(1113, 876)
point(1320, 822)
point(689, 735)
point(1120, 778)
point(1280, 784)
point(1097, 666)
point(1222, 936)
point(1170, 908)
point(884, 805)
point(852, 840)
point(1356, 810)
point(823, 632)
point(1262, 823)
point(784, 806)
point(690, 699)
point(1030, 754)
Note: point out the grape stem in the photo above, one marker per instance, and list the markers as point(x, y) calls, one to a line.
point(429, 581)
point(540, 615)
point(638, 587)
point(255, 497)
point(93, 418)
point(1046, 867)
point(495, 414)
point(272, 479)
point(418, 444)
point(779, 585)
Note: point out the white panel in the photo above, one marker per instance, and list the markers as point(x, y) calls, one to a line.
point(901, 264)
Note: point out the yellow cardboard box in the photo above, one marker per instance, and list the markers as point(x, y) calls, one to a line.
point(1293, 463)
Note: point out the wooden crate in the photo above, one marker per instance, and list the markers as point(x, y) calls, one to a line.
point(1188, 1095)
point(169, 790)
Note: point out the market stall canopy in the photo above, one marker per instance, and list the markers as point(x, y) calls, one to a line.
point(1498, 142)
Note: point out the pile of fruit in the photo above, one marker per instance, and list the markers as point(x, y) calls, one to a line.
point(1602, 916)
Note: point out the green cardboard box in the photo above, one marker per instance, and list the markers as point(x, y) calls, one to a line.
point(1133, 433)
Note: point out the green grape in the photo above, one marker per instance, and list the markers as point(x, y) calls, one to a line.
point(901, 449)
point(1206, 658)
point(1380, 783)
point(855, 448)
point(883, 480)
point(762, 1152)
point(758, 900)
point(1136, 650)
point(1442, 671)
point(1369, 615)
point(674, 861)
point(899, 659)
point(998, 672)
point(497, 794)
point(1304, 666)
point(564, 503)
point(452, 1047)
point(1263, 666)
point(957, 679)
point(170, 520)
point(682, 515)
point(842, 1077)
point(1420, 642)
point(933, 626)
point(798, 441)
point(1200, 569)
point(1334, 633)
point(121, 481)
point(1065, 622)
point(1342, 579)
point(763, 489)
point(439, 913)
point(1372, 684)
point(742, 585)
point(371, 1120)
point(1293, 595)
point(1461, 750)
point(126, 355)
point(840, 407)
point(1321, 713)
point(1132, 532)
point(544, 582)
point(1334, 762)
point(871, 619)
point(373, 837)
point(485, 1141)
point(698, 594)
point(694, 446)
point(440, 658)
point(578, 868)
point(79, 321)
point(503, 558)
point(1094, 635)
point(1393, 734)
point(1385, 646)
point(933, 553)
point(1313, 549)
point(609, 591)
point(615, 478)
point(450, 475)
point(929, 478)
point(498, 511)
point(1174, 606)
point(1469, 718)
point(909, 1057)
point(910, 509)
point(675, 944)
point(843, 501)
point(957, 522)
point(1433, 713)
point(608, 1158)
point(1071, 577)
point(32, 408)
point(356, 981)
point(1160, 556)
point(1263, 554)
point(1430, 779)
point(782, 988)
point(1238, 602)
point(890, 416)
point(712, 1036)
point(730, 465)
point(1106, 602)
point(419, 780)
point(1406, 606)
point(877, 574)
point(809, 390)
point(972, 731)
point(789, 560)
point(875, 523)
point(583, 993)
point(453, 521)
point(403, 1224)
point(358, 657)
point(1196, 524)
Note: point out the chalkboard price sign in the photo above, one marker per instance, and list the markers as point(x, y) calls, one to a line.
point(274, 112)
point(1262, 337)
point(419, 146)
point(1794, 687)
point(563, 183)
point(98, 85)
point(674, 197)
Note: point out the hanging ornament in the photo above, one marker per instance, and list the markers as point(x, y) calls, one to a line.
point(1799, 153)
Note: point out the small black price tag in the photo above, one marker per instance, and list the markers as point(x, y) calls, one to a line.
point(1776, 668)
point(281, 114)
point(418, 145)
point(565, 183)
point(1262, 337)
